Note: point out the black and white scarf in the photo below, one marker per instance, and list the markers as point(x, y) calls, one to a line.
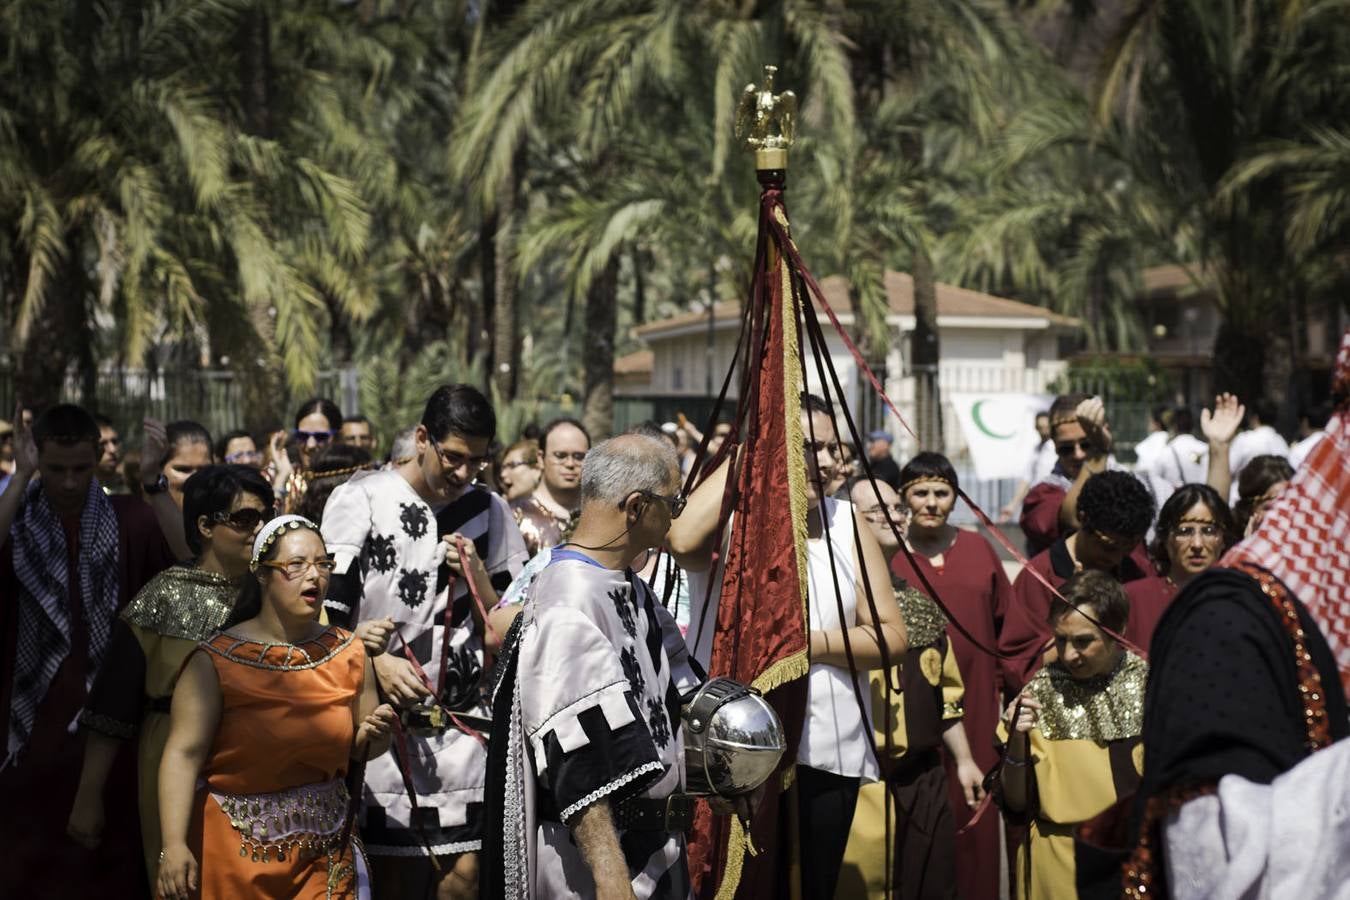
point(44, 638)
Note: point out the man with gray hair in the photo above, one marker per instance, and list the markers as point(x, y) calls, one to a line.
point(586, 748)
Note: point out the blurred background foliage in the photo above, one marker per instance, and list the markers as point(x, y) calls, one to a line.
point(496, 190)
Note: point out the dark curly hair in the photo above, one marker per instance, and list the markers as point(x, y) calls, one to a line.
point(1116, 503)
point(1257, 477)
point(1170, 515)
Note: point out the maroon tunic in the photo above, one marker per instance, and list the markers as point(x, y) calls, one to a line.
point(973, 586)
point(1149, 598)
point(1040, 515)
point(39, 860)
point(1026, 632)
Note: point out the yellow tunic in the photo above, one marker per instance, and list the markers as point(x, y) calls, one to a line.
point(1086, 744)
point(864, 871)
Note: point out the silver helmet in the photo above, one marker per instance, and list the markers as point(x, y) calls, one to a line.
point(733, 740)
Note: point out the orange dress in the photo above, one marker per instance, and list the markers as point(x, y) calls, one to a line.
point(270, 818)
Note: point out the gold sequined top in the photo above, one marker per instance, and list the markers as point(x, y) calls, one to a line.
point(183, 601)
point(1105, 708)
point(924, 622)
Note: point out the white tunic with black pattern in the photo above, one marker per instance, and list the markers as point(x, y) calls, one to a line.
point(379, 524)
point(601, 670)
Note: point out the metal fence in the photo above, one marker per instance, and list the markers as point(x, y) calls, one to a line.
point(213, 398)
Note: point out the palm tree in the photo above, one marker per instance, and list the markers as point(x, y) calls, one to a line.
point(1222, 114)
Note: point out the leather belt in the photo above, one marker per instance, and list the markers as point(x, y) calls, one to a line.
point(672, 814)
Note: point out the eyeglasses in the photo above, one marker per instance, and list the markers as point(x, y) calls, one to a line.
point(318, 437)
point(245, 519)
point(1067, 447)
point(878, 513)
point(516, 464)
point(243, 456)
point(675, 503)
point(452, 460)
point(562, 456)
point(297, 568)
point(1190, 532)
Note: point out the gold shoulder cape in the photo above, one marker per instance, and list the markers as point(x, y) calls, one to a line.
point(1106, 708)
point(183, 601)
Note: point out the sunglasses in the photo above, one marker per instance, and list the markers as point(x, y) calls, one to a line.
point(675, 503)
point(245, 519)
point(244, 456)
point(1068, 447)
point(319, 437)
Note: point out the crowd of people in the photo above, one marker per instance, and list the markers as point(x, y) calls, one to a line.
point(305, 664)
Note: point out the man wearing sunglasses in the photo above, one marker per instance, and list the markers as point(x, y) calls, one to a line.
point(546, 515)
point(71, 557)
point(407, 542)
point(1082, 444)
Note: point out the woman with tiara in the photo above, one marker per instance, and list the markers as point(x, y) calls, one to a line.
point(267, 719)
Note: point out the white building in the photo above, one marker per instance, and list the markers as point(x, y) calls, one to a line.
point(988, 344)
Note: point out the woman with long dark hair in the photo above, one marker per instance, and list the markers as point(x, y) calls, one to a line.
point(1193, 530)
point(317, 423)
point(244, 817)
point(223, 509)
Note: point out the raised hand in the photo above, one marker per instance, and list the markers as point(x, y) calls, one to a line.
point(1092, 419)
point(1222, 424)
point(154, 444)
point(25, 448)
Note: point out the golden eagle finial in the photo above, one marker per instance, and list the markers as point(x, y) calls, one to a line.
point(766, 122)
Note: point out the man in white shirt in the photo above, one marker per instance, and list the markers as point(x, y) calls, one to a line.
point(1147, 451)
point(1184, 458)
point(1310, 425)
point(1258, 440)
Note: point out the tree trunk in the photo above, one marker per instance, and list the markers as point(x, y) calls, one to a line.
point(639, 286)
point(257, 362)
point(505, 328)
point(601, 324)
point(54, 341)
point(925, 355)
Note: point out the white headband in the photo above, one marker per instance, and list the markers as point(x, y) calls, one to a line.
point(273, 528)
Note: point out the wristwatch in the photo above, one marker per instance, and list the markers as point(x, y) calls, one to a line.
point(158, 486)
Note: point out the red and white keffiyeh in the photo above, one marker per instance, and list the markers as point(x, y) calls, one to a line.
point(1304, 538)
